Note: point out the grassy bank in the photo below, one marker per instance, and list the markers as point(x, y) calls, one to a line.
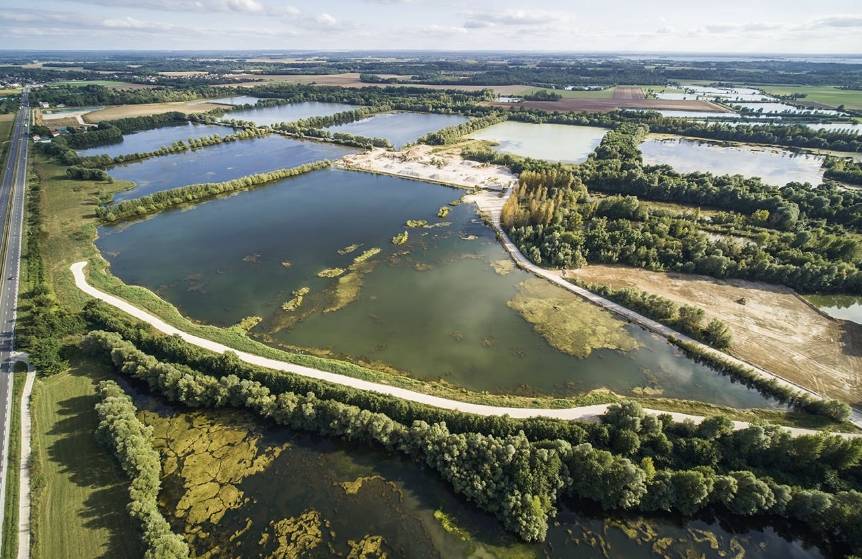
point(13, 472)
point(79, 492)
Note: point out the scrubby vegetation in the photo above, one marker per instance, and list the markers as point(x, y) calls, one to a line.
point(630, 461)
point(131, 442)
point(554, 221)
point(844, 170)
point(154, 203)
point(454, 134)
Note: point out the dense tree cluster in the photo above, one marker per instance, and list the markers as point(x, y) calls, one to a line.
point(148, 122)
point(131, 442)
point(87, 173)
point(650, 464)
point(104, 134)
point(844, 170)
point(93, 94)
point(684, 318)
point(159, 201)
point(453, 134)
point(507, 476)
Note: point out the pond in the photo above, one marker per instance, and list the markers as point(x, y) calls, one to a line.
point(151, 140)
point(772, 165)
point(292, 494)
point(265, 116)
point(551, 142)
point(221, 162)
point(236, 100)
point(782, 108)
point(844, 307)
point(446, 305)
point(400, 128)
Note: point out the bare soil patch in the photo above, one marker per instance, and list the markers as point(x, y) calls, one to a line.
point(423, 162)
point(124, 111)
point(772, 326)
point(628, 93)
point(607, 105)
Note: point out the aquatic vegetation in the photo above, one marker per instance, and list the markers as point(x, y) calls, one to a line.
point(296, 302)
point(416, 223)
point(568, 323)
point(504, 267)
point(347, 289)
point(330, 272)
point(207, 456)
point(369, 547)
point(248, 323)
point(443, 212)
point(449, 525)
point(370, 253)
point(349, 248)
point(400, 238)
point(353, 487)
point(295, 537)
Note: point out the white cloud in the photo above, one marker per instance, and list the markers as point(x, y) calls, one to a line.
point(327, 20)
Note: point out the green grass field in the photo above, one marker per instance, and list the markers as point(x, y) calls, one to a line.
point(80, 491)
point(10, 509)
point(600, 94)
point(828, 95)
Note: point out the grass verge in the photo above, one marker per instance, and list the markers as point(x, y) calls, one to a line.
point(10, 512)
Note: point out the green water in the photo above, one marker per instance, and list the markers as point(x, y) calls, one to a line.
point(434, 308)
point(551, 142)
point(356, 492)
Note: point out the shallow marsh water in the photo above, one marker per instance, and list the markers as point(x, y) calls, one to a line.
point(445, 305)
point(551, 142)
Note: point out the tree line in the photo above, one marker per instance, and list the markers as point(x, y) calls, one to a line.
point(160, 201)
point(453, 134)
point(520, 481)
point(131, 443)
point(843, 169)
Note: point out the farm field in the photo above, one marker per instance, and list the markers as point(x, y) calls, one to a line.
point(125, 111)
point(774, 329)
point(826, 95)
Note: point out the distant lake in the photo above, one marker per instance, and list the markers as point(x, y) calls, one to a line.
point(773, 166)
point(236, 100)
point(150, 140)
point(552, 142)
point(399, 128)
point(781, 108)
point(221, 162)
point(266, 116)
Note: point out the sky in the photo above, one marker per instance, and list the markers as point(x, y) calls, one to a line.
point(733, 26)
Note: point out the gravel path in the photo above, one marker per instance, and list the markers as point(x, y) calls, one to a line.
point(585, 413)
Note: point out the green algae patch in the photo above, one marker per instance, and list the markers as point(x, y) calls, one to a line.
point(331, 272)
point(292, 538)
point(296, 301)
point(369, 547)
point(353, 487)
point(204, 461)
point(400, 238)
point(449, 525)
point(349, 249)
point(568, 323)
point(247, 323)
point(504, 266)
point(443, 212)
point(416, 223)
point(347, 288)
point(367, 255)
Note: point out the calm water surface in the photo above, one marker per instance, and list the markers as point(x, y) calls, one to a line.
point(434, 307)
point(221, 162)
point(781, 108)
point(236, 100)
point(151, 140)
point(772, 165)
point(399, 128)
point(265, 116)
point(552, 142)
point(845, 307)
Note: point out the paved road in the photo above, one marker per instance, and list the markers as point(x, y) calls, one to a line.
point(587, 413)
point(12, 190)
